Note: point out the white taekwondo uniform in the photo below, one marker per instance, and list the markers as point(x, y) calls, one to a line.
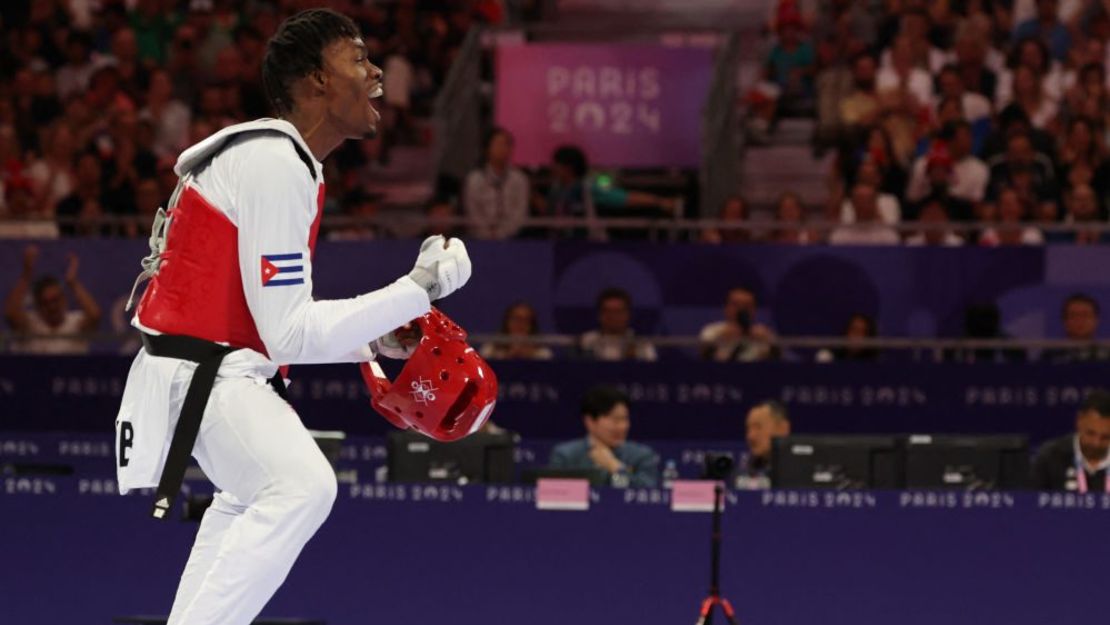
point(236, 268)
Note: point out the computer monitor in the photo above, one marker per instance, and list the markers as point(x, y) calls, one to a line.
point(330, 443)
point(836, 462)
point(967, 462)
point(480, 457)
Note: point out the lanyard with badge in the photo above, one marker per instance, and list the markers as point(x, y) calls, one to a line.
point(1081, 476)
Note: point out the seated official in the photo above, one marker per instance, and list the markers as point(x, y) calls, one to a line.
point(766, 421)
point(1078, 462)
point(606, 447)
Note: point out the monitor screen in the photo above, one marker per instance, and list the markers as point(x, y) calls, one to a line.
point(836, 462)
point(480, 457)
point(967, 462)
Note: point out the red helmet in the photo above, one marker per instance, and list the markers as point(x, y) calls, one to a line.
point(445, 391)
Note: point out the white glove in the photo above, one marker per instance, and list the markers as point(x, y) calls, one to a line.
point(442, 267)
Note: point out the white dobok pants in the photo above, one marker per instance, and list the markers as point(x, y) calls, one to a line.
point(276, 489)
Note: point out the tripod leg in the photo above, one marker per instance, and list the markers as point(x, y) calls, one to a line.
point(705, 615)
point(730, 615)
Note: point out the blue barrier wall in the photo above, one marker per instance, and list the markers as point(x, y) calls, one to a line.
point(678, 288)
point(670, 400)
point(476, 555)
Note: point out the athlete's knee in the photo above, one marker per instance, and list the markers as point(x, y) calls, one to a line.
point(311, 491)
point(326, 488)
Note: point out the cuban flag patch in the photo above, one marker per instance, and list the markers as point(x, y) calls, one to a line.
point(282, 269)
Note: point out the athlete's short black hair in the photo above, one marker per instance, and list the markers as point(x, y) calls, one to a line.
point(296, 50)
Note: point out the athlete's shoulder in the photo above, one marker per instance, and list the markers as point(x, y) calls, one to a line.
point(270, 144)
point(269, 153)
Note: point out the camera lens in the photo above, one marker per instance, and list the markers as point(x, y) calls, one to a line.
point(718, 466)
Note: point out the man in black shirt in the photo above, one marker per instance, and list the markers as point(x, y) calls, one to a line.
point(1078, 462)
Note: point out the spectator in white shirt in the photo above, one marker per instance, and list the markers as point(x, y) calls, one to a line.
point(868, 228)
point(50, 327)
point(890, 209)
point(72, 78)
point(977, 62)
point(950, 165)
point(518, 323)
point(790, 215)
point(902, 73)
point(975, 106)
point(18, 217)
point(1012, 212)
point(1033, 54)
point(737, 337)
point(914, 25)
point(53, 176)
point(170, 116)
point(495, 197)
point(614, 339)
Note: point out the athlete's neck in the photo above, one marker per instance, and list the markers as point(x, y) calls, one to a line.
point(319, 136)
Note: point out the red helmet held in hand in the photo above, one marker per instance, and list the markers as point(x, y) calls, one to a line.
point(445, 391)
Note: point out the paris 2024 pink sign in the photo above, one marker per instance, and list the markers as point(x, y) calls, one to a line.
point(626, 105)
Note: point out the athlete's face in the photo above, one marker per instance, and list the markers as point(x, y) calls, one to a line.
point(351, 81)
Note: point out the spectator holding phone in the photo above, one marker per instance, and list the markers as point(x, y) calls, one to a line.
point(738, 338)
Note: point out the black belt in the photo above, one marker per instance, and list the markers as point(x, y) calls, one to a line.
point(208, 356)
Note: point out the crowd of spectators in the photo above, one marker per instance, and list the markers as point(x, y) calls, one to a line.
point(743, 334)
point(939, 114)
point(991, 112)
point(97, 99)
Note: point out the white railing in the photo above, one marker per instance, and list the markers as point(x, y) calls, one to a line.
point(572, 341)
point(401, 224)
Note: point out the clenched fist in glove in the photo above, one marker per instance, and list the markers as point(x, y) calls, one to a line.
point(442, 267)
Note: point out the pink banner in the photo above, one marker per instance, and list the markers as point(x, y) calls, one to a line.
point(562, 494)
point(625, 105)
point(693, 496)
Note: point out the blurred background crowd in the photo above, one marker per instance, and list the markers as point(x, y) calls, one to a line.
point(930, 123)
point(900, 122)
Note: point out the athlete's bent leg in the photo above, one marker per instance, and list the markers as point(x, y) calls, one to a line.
point(279, 489)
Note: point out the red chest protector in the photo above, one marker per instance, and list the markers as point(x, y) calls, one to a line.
point(198, 289)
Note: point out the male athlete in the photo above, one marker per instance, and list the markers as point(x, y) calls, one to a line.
point(231, 299)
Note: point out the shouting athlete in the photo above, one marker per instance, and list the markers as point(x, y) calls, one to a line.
point(230, 300)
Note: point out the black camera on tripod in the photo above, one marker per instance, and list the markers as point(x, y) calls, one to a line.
point(718, 466)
